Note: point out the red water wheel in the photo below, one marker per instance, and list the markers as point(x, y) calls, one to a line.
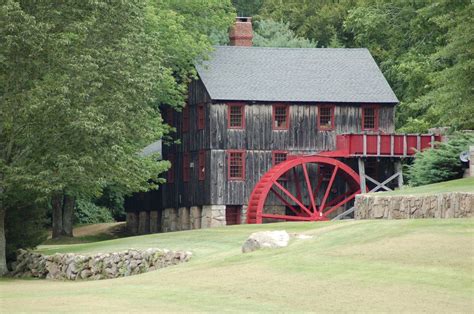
point(307, 188)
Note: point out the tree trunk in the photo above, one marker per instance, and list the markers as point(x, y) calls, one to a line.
point(57, 206)
point(68, 210)
point(3, 258)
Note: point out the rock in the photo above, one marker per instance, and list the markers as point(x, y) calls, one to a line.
point(265, 239)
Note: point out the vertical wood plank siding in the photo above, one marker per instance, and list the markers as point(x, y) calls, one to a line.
point(258, 139)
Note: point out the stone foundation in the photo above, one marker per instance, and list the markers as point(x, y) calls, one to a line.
point(143, 222)
point(213, 216)
point(169, 220)
point(183, 218)
point(445, 205)
point(195, 216)
point(155, 223)
point(132, 222)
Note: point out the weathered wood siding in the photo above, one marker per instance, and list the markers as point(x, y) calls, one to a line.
point(257, 139)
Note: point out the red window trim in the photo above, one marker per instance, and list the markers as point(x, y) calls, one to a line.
point(201, 116)
point(186, 167)
point(186, 119)
point(242, 112)
point(202, 165)
point(287, 108)
point(278, 152)
point(170, 174)
point(333, 110)
point(244, 155)
point(376, 117)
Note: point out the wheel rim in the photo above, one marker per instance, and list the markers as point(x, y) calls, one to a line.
point(304, 187)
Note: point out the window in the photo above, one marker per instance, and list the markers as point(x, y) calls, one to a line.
point(370, 118)
point(279, 157)
point(236, 116)
point(186, 162)
point(236, 165)
point(326, 118)
point(170, 173)
point(280, 117)
point(202, 165)
point(201, 117)
point(186, 119)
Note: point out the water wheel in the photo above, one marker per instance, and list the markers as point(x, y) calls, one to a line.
point(307, 188)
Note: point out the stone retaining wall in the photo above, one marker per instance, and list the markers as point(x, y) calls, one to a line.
point(444, 205)
point(99, 266)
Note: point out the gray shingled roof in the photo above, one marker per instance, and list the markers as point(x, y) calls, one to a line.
point(295, 74)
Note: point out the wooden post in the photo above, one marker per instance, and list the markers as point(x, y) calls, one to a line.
point(363, 187)
point(364, 144)
point(398, 169)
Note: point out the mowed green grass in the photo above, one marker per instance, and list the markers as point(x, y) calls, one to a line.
point(363, 266)
point(460, 185)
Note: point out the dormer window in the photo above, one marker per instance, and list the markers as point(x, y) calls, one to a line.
point(280, 117)
point(370, 117)
point(326, 118)
point(236, 116)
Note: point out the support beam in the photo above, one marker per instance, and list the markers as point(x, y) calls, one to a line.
point(363, 186)
point(399, 170)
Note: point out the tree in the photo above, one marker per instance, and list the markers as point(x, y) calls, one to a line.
point(269, 33)
point(80, 100)
point(442, 163)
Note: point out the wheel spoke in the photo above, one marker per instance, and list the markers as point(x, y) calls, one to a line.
point(310, 188)
point(328, 189)
point(282, 199)
point(341, 203)
point(293, 198)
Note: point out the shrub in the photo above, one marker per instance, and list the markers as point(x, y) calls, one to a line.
point(87, 212)
point(25, 224)
point(442, 163)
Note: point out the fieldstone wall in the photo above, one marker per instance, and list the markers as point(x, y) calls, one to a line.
point(169, 220)
point(100, 266)
point(444, 205)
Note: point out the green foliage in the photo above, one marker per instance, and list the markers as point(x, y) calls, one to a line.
point(86, 212)
point(269, 33)
point(424, 48)
point(25, 223)
point(440, 164)
point(113, 199)
point(320, 21)
point(247, 7)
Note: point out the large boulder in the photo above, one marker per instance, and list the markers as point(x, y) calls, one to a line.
point(266, 239)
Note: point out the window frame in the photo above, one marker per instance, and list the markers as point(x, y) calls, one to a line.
point(202, 165)
point(287, 112)
point(170, 175)
point(275, 152)
point(244, 156)
point(186, 167)
point(242, 113)
point(186, 123)
point(376, 117)
point(201, 113)
point(333, 113)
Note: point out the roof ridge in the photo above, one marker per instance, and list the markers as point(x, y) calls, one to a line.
point(287, 48)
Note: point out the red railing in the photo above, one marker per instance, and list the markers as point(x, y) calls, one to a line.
point(381, 145)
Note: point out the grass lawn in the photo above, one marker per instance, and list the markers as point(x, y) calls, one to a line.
point(366, 266)
point(460, 185)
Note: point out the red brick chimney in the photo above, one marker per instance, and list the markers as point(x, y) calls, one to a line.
point(241, 33)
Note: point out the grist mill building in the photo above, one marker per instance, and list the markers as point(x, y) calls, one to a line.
point(275, 134)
